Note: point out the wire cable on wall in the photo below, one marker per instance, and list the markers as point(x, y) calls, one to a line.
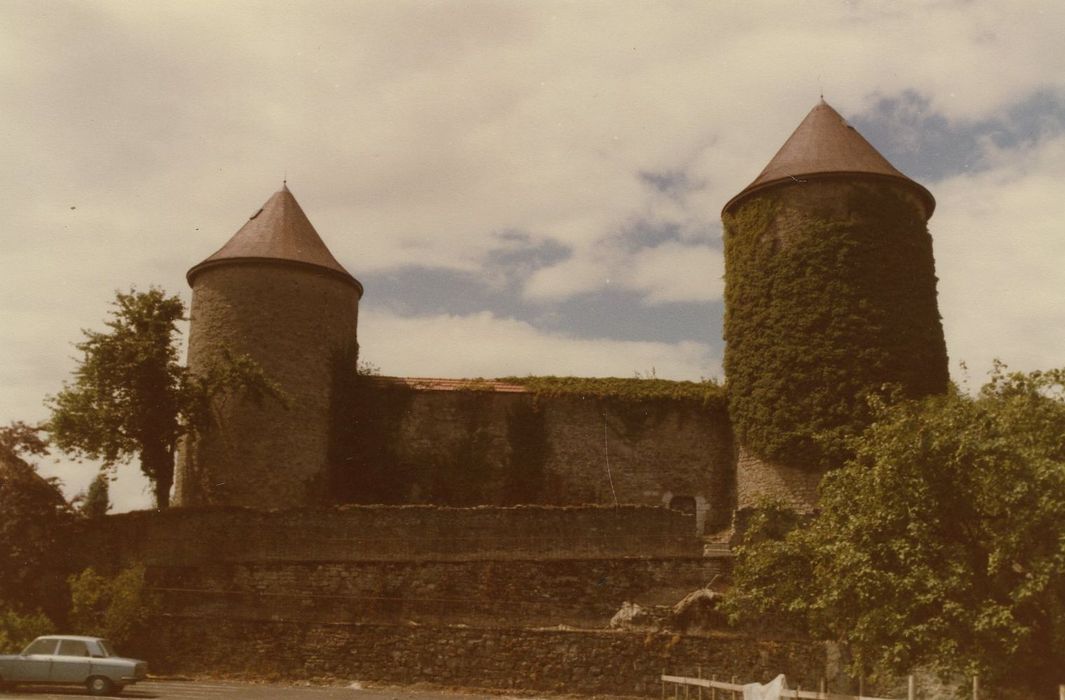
point(606, 451)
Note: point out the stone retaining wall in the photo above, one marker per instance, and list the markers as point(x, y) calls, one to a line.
point(583, 593)
point(572, 661)
point(187, 536)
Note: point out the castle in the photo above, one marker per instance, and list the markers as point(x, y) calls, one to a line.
point(830, 295)
point(334, 536)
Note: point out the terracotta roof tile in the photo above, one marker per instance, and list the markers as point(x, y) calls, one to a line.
point(438, 384)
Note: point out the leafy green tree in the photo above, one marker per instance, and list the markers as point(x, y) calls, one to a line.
point(96, 501)
point(774, 568)
point(32, 514)
point(131, 397)
point(23, 439)
point(941, 544)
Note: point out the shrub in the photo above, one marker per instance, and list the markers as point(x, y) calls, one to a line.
point(117, 608)
point(17, 630)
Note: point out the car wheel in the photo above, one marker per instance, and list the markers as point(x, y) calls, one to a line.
point(98, 685)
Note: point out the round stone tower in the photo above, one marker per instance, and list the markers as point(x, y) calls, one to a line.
point(830, 297)
point(275, 293)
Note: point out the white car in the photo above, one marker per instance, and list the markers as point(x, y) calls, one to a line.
point(71, 660)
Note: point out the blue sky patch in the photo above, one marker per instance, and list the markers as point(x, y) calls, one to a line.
point(928, 147)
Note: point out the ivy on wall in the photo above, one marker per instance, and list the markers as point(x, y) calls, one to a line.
point(461, 474)
point(823, 309)
point(364, 423)
point(637, 401)
point(368, 464)
point(525, 480)
point(634, 390)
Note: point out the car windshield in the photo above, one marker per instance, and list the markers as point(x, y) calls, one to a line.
point(105, 647)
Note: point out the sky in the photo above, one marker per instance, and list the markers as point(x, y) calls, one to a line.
point(522, 187)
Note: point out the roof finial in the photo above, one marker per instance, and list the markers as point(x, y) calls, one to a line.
point(284, 180)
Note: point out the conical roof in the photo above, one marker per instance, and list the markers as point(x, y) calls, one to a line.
point(279, 231)
point(825, 145)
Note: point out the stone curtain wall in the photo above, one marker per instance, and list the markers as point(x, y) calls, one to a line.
point(486, 447)
point(185, 536)
point(655, 452)
point(574, 592)
point(571, 661)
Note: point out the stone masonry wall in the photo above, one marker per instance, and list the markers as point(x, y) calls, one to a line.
point(758, 479)
point(295, 322)
point(191, 536)
point(584, 593)
point(802, 384)
point(572, 661)
point(476, 597)
point(595, 451)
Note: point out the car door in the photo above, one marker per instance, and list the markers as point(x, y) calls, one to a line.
point(34, 664)
point(71, 662)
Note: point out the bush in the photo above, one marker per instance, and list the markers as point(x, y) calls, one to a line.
point(18, 630)
point(33, 515)
point(941, 544)
point(117, 608)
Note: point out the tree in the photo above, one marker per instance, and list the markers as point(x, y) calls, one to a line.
point(774, 567)
point(95, 501)
point(941, 544)
point(32, 514)
point(130, 396)
point(23, 439)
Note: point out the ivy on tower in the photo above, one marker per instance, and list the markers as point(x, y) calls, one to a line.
point(830, 295)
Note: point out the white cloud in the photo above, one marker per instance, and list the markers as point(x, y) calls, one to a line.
point(674, 272)
point(483, 345)
point(1000, 252)
point(669, 272)
point(584, 272)
point(414, 130)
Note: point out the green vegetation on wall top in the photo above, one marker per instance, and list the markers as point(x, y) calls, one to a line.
point(708, 392)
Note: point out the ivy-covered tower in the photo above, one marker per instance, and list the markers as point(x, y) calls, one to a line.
point(830, 296)
point(275, 293)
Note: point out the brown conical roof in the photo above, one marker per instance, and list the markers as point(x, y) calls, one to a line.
point(279, 231)
point(825, 145)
